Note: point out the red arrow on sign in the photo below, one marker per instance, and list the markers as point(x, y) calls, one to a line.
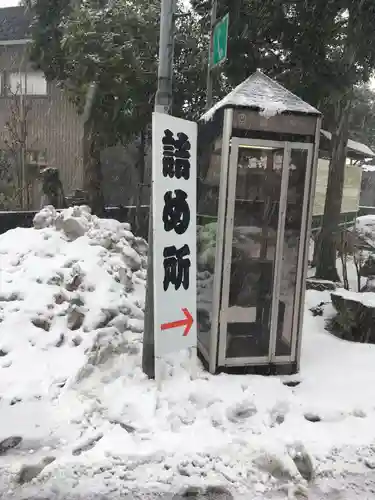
point(187, 323)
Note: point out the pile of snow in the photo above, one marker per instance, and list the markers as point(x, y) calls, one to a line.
point(71, 299)
point(206, 236)
point(71, 384)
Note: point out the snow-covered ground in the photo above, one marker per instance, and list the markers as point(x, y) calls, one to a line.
point(71, 318)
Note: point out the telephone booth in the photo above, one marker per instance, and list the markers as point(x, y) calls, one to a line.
point(258, 150)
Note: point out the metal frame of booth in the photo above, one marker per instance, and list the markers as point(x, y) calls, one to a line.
point(216, 357)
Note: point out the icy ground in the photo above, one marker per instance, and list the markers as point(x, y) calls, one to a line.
point(71, 385)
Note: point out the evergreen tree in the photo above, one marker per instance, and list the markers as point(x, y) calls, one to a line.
point(362, 118)
point(106, 52)
point(319, 49)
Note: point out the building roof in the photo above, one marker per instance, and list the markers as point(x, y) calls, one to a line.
point(264, 94)
point(368, 168)
point(353, 146)
point(14, 24)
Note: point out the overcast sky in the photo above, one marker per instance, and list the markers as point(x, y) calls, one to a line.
point(8, 3)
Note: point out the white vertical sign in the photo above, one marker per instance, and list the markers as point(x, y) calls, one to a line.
point(174, 180)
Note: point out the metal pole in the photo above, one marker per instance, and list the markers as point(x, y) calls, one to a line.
point(22, 118)
point(209, 69)
point(163, 98)
point(163, 104)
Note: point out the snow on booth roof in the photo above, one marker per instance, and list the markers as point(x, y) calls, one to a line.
point(261, 92)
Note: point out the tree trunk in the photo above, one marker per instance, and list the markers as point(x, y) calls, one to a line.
point(326, 268)
point(326, 264)
point(315, 253)
point(92, 171)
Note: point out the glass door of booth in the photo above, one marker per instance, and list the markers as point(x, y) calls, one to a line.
point(267, 205)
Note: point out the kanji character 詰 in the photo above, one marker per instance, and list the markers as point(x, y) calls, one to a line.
point(176, 267)
point(176, 213)
point(176, 154)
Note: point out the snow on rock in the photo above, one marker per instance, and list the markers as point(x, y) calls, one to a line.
point(72, 387)
point(365, 227)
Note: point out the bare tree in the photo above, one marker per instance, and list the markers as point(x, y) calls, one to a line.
point(344, 251)
point(359, 258)
point(14, 157)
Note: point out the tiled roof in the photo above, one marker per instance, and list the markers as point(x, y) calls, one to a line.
point(356, 147)
point(262, 93)
point(14, 24)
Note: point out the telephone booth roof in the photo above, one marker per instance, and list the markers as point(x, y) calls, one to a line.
point(259, 92)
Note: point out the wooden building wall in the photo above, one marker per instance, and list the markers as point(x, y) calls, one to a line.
point(53, 124)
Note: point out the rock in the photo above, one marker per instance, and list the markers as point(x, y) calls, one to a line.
point(128, 235)
point(370, 463)
point(140, 246)
point(319, 309)
point(87, 445)
point(279, 467)
point(303, 462)
point(9, 443)
point(74, 283)
point(57, 279)
point(15, 400)
point(60, 340)
point(77, 300)
point(368, 268)
point(60, 298)
point(42, 323)
point(291, 383)
point(45, 217)
point(199, 493)
point(29, 472)
point(278, 413)
point(10, 297)
point(75, 318)
point(73, 227)
point(77, 340)
point(108, 343)
point(320, 285)
point(218, 493)
point(103, 319)
point(359, 413)
point(190, 492)
point(241, 411)
point(130, 429)
point(355, 317)
point(370, 285)
point(312, 417)
point(131, 258)
point(82, 210)
point(120, 322)
point(83, 373)
point(126, 279)
point(136, 325)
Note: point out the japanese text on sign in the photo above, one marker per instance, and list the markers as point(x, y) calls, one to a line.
point(174, 234)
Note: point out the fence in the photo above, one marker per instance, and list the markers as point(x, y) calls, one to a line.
point(138, 220)
point(366, 211)
point(346, 219)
